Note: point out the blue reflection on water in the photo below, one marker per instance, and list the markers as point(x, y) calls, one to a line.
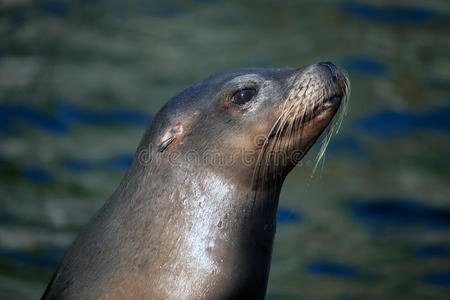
point(91, 1)
point(332, 269)
point(47, 258)
point(396, 123)
point(365, 65)
point(66, 115)
point(71, 114)
point(10, 113)
point(388, 13)
point(438, 278)
point(287, 216)
point(162, 9)
point(37, 175)
point(388, 212)
point(78, 165)
point(347, 145)
point(55, 8)
point(433, 251)
point(117, 163)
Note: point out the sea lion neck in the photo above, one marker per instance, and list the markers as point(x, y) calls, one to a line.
point(192, 192)
point(218, 227)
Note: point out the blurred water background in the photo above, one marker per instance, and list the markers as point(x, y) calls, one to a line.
point(80, 80)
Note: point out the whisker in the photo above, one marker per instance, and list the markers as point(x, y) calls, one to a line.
point(257, 168)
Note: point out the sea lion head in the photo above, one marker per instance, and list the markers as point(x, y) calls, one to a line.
point(195, 215)
point(249, 124)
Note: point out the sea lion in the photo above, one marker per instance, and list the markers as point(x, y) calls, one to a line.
point(194, 217)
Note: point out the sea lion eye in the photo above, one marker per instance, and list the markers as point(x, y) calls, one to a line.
point(243, 96)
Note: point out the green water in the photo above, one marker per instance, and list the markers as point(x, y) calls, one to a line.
point(99, 56)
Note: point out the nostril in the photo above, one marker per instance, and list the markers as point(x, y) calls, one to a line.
point(330, 67)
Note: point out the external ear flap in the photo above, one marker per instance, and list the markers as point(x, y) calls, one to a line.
point(169, 137)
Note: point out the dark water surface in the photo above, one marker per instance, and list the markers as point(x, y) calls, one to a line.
point(80, 80)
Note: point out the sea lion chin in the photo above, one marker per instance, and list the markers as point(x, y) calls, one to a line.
point(195, 215)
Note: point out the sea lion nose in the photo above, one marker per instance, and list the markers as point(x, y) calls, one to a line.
point(332, 67)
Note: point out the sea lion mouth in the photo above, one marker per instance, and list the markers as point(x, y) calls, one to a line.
point(332, 102)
